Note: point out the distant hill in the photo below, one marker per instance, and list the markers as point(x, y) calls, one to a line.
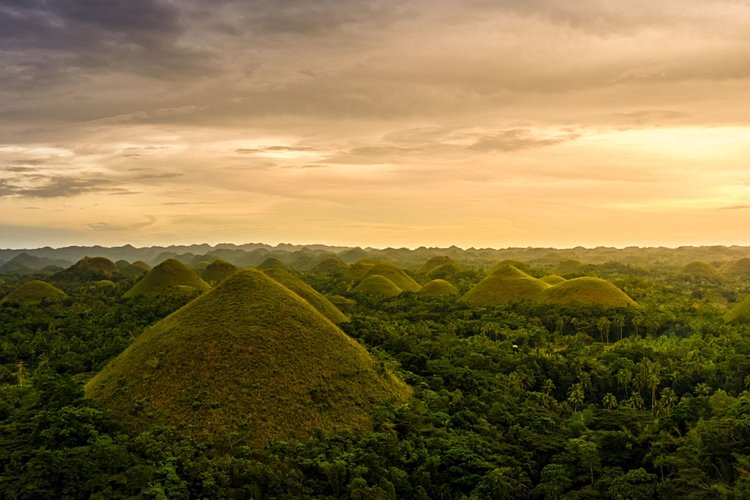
point(169, 275)
point(588, 291)
point(33, 292)
point(88, 269)
point(504, 285)
point(702, 270)
point(438, 261)
point(438, 288)
point(25, 263)
point(353, 255)
point(218, 271)
point(332, 266)
point(308, 293)
point(396, 275)
point(740, 313)
point(738, 269)
point(359, 269)
point(377, 287)
point(553, 279)
point(269, 367)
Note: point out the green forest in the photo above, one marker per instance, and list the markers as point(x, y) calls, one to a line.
point(355, 374)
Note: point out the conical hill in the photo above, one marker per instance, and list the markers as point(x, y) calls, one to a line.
point(703, 271)
point(218, 271)
point(738, 269)
point(169, 275)
point(312, 296)
point(438, 261)
point(438, 288)
point(396, 275)
point(553, 279)
point(505, 285)
point(250, 358)
point(377, 287)
point(33, 292)
point(332, 266)
point(89, 269)
point(273, 263)
point(739, 313)
point(587, 291)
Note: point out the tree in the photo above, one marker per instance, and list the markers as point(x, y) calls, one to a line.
point(609, 401)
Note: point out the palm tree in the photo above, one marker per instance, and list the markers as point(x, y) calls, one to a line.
point(609, 401)
point(576, 396)
point(548, 386)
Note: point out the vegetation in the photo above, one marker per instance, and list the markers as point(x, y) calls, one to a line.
point(169, 275)
point(518, 400)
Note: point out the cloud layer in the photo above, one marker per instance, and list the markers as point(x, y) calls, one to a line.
point(374, 122)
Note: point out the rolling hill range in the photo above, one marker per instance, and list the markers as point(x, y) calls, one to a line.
point(251, 358)
point(169, 275)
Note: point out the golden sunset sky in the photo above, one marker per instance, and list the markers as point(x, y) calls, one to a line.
point(382, 123)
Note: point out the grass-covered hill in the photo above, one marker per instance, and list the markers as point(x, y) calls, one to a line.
point(377, 287)
point(702, 271)
point(251, 359)
point(740, 313)
point(438, 261)
point(273, 263)
point(218, 271)
point(312, 296)
point(332, 266)
point(570, 267)
point(33, 292)
point(24, 263)
point(169, 275)
point(438, 288)
point(504, 285)
point(88, 269)
point(587, 291)
point(396, 275)
point(738, 269)
point(359, 269)
point(553, 279)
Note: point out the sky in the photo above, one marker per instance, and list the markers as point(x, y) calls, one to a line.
point(484, 123)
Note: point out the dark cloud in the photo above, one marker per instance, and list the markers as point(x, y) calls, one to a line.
point(513, 140)
point(44, 186)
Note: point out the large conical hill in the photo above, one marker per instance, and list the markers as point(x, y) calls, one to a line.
point(250, 358)
point(89, 269)
point(586, 291)
point(396, 275)
point(32, 293)
point(377, 287)
point(740, 313)
point(438, 288)
point(169, 275)
point(504, 285)
point(312, 296)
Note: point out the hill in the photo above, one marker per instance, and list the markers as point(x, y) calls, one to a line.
point(33, 292)
point(740, 313)
point(738, 269)
point(586, 290)
point(505, 285)
point(438, 261)
point(273, 263)
point(24, 263)
point(332, 266)
point(218, 271)
point(88, 269)
point(553, 279)
point(359, 269)
point(270, 367)
point(438, 288)
point(701, 270)
point(396, 275)
point(308, 293)
point(377, 287)
point(169, 275)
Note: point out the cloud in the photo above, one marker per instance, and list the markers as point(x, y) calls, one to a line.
point(509, 141)
point(48, 186)
point(105, 226)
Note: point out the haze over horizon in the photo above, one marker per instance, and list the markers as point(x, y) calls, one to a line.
point(374, 123)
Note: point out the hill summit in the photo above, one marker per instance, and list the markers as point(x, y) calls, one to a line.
point(249, 358)
point(504, 285)
point(169, 275)
point(89, 269)
point(588, 291)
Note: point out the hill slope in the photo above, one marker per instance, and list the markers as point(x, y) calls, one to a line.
point(377, 287)
point(169, 275)
point(33, 292)
point(438, 288)
point(586, 290)
point(89, 269)
point(311, 295)
point(701, 270)
point(739, 313)
point(270, 367)
point(396, 275)
point(218, 271)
